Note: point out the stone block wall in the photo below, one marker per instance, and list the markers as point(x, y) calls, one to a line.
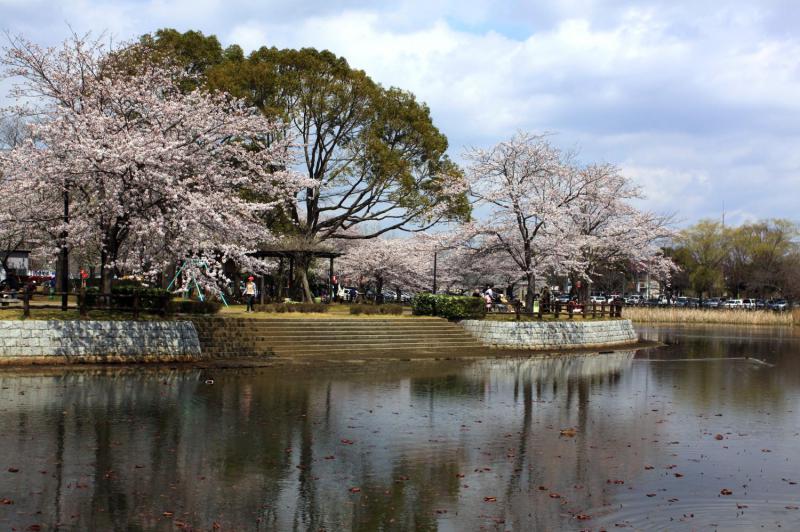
point(97, 341)
point(551, 334)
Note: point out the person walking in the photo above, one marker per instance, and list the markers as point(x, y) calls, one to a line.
point(250, 291)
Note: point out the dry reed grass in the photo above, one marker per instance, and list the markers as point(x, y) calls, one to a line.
point(701, 316)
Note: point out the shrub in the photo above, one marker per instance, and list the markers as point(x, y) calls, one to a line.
point(149, 298)
point(450, 307)
point(195, 307)
point(376, 309)
point(91, 295)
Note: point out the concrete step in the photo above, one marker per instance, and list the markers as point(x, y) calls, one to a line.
point(337, 351)
point(311, 333)
point(250, 323)
point(338, 335)
point(377, 345)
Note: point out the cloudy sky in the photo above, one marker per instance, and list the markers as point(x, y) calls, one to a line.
point(697, 100)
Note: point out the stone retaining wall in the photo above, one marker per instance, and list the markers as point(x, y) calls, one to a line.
point(97, 341)
point(551, 334)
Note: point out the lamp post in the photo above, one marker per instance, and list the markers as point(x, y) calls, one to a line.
point(435, 253)
point(65, 253)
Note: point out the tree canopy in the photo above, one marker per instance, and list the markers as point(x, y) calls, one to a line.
point(378, 162)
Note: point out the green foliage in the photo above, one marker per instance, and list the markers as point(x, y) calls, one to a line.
point(191, 50)
point(353, 130)
point(187, 306)
point(155, 298)
point(754, 259)
point(395, 310)
point(450, 307)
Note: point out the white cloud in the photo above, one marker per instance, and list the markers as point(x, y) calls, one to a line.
point(697, 100)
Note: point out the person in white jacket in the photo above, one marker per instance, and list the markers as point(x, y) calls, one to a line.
point(250, 292)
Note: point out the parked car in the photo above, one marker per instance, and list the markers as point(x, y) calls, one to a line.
point(712, 302)
point(749, 304)
point(633, 299)
point(734, 304)
point(779, 305)
point(563, 298)
point(600, 300)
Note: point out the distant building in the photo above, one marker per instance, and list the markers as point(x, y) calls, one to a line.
point(18, 262)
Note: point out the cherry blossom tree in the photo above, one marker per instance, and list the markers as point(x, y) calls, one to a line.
point(399, 263)
point(151, 172)
point(611, 232)
point(527, 186)
point(552, 216)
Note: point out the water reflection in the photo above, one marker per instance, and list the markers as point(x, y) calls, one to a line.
point(440, 445)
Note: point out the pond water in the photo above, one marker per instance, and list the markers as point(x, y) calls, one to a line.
point(652, 439)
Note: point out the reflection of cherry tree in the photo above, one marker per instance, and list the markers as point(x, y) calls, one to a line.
point(152, 173)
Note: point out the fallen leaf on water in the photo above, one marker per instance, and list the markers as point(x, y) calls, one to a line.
point(347, 442)
point(569, 432)
point(791, 507)
point(583, 517)
point(766, 451)
point(679, 475)
point(355, 490)
point(555, 496)
point(719, 437)
point(13, 470)
point(168, 514)
point(726, 491)
point(542, 488)
point(651, 494)
point(648, 467)
point(741, 506)
point(490, 499)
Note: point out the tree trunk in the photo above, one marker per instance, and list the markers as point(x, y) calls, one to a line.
point(105, 271)
point(531, 279)
point(379, 294)
point(302, 263)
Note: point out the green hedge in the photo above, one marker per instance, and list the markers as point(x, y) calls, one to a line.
point(151, 298)
point(188, 306)
point(377, 309)
point(450, 307)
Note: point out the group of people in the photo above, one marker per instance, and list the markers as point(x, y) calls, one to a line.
point(492, 299)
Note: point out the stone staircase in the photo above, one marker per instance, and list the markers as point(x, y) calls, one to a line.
point(398, 338)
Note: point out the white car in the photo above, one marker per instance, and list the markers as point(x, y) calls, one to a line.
point(734, 303)
point(597, 299)
point(749, 304)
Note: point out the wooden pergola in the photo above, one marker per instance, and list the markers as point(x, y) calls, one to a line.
point(285, 253)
